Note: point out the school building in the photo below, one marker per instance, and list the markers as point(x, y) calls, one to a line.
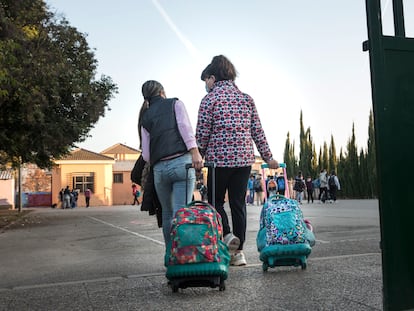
point(106, 174)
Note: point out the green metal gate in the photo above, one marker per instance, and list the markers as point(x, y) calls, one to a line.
point(392, 80)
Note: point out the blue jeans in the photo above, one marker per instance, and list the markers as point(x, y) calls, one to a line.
point(170, 179)
point(299, 195)
point(251, 196)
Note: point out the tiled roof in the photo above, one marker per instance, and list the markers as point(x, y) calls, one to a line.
point(85, 155)
point(120, 149)
point(7, 174)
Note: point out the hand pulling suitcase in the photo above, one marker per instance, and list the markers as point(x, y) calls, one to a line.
point(197, 255)
point(284, 237)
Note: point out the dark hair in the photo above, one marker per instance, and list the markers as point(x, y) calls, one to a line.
point(221, 68)
point(149, 89)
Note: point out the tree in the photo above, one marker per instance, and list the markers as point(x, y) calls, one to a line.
point(342, 174)
point(363, 175)
point(357, 172)
point(320, 161)
point(306, 154)
point(371, 159)
point(352, 167)
point(314, 163)
point(332, 156)
point(289, 157)
point(49, 97)
point(325, 157)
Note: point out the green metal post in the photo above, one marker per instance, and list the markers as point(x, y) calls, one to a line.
point(392, 80)
point(398, 10)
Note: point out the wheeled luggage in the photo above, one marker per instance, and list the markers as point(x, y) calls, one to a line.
point(284, 238)
point(197, 255)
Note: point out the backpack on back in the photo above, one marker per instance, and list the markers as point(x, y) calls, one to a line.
point(331, 182)
point(280, 180)
point(299, 185)
point(257, 185)
point(196, 236)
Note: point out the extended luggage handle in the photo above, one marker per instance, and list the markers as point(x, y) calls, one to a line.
point(211, 165)
point(283, 166)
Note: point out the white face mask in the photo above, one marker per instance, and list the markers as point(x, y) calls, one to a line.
point(207, 88)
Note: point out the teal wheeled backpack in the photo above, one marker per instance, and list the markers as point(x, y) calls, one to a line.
point(283, 238)
point(196, 255)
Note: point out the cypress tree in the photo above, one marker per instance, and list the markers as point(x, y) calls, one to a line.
point(332, 156)
point(289, 157)
point(363, 175)
point(302, 144)
point(353, 165)
point(325, 159)
point(371, 159)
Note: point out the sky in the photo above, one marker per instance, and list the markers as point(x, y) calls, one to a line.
point(291, 56)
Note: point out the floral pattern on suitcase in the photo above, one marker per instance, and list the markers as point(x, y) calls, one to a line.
point(195, 234)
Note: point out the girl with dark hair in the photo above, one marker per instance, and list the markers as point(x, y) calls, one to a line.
point(168, 143)
point(227, 126)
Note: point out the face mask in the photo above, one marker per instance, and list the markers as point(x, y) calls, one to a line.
point(207, 88)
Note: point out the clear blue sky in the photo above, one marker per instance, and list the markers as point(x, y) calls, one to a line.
point(290, 55)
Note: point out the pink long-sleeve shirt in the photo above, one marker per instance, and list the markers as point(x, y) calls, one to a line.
point(184, 127)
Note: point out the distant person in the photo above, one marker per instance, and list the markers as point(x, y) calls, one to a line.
point(323, 188)
point(74, 198)
point(227, 126)
point(66, 197)
point(334, 186)
point(316, 186)
point(299, 187)
point(258, 190)
point(309, 188)
point(135, 194)
point(87, 193)
point(61, 198)
point(250, 188)
point(281, 185)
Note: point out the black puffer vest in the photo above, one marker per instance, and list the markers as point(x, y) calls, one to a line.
point(160, 121)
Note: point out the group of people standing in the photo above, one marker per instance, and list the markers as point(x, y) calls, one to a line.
point(228, 125)
point(328, 186)
point(69, 198)
point(255, 186)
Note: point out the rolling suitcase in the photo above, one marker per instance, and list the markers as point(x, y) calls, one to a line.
point(284, 237)
point(197, 255)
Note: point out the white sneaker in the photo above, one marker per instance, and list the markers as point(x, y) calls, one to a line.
point(232, 242)
point(238, 259)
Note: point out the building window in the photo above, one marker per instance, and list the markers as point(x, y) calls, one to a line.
point(82, 181)
point(118, 178)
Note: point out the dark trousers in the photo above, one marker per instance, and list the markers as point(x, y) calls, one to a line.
point(310, 195)
point(332, 192)
point(234, 181)
point(323, 194)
